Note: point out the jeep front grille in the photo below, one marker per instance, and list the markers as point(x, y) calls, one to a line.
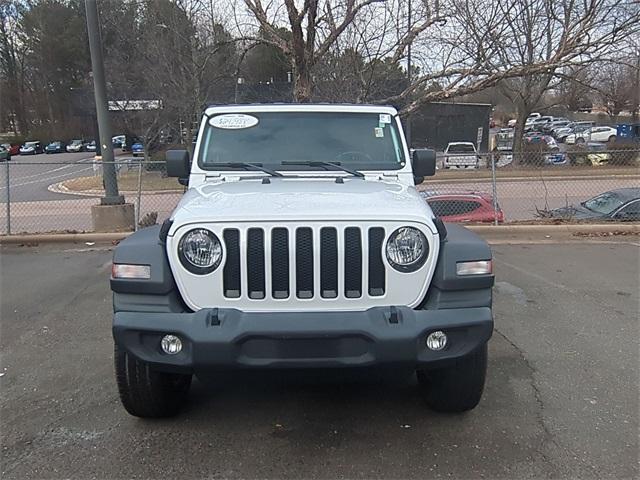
point(292, 269)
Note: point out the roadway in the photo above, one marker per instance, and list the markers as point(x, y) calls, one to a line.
point(30, 176)
point(561, 399)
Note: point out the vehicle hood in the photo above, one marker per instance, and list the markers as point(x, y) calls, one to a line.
point(577, 212)
point(287, 199)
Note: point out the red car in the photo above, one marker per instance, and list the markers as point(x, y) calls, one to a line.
point(13, 149)
point(463, 207)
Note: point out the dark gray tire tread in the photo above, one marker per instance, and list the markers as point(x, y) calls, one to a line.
point(146, 393)
point(456, 388)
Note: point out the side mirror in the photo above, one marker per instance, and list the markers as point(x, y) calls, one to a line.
point(423, 162)
point(178, 163)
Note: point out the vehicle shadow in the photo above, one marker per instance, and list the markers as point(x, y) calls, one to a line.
point(389, 395)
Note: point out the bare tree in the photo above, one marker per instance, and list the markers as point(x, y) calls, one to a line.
point(460, 46)
point(616, 83)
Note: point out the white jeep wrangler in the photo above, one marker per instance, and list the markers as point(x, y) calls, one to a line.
point(300, 243)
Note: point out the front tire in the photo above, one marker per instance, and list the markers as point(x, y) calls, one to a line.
point(458, 387)
point(147, 393)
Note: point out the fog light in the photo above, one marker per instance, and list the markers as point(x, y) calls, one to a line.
point(436, 340)
point(171, 344)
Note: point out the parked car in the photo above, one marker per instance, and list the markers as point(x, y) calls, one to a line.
point(591, 153)
point(594, 134)
point(55, 147)
point(5, 155)
point(461, 155)
point(463, 207)
point(540, 137)
point(562, 133)
point(540, 122)
point(118, 141)
point(137, 149)
point(512, 123)
point(12, 148)
point(75, 146)
point(622, 204)
point(556, 123)
point(31, 148)
point(90, 146)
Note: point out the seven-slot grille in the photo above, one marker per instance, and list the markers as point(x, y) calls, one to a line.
point(279, 263)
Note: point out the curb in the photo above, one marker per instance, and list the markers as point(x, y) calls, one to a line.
point(550, 178)
point(489, 230)
point(62, 238)
point(62, 189)
point(554, 229)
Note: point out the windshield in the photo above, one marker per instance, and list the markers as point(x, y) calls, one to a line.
point(31, 144)
point(463, 148)
point(605, 203)
point(76, 142)
point(362, 141)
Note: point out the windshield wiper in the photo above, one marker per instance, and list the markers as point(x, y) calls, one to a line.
point(249, 166)
point(326, 166)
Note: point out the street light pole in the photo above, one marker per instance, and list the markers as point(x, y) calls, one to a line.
point(112, 196)
point(408, 129)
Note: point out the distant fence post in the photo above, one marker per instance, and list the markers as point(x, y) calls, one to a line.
point(8, 186)
point(139, 196)
point(494, 188)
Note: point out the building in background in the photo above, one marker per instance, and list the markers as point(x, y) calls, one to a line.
point(439, 123)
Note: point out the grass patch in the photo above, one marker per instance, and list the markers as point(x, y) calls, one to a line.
point(127, 182)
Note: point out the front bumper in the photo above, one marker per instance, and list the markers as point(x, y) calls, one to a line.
point(229, 338)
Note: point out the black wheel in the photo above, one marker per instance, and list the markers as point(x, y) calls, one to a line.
point(612, 139)
point(146, 393)
point(456, 388)
point(579, 140)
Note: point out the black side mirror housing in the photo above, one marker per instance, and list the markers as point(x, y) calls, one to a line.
point(423, 162)
point(178, 164)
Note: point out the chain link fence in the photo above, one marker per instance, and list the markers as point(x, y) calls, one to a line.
point(49, 196)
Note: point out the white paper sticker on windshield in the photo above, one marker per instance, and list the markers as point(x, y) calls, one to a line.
point(233, 121)
point(379, 132)
point(385, 118)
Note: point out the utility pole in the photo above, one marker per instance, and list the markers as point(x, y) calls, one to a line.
point(112, 196)
point(408, 129)
point(635, 104)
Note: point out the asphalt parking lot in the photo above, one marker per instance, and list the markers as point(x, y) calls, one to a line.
point(561, 399)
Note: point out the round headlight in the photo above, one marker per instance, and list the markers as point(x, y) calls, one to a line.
point(407, 249)
point(200, 251)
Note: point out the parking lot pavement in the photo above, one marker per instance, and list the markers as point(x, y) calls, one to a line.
point(561, 398)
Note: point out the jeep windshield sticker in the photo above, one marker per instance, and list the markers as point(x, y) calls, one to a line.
point(233, 121)
point(379, 132)
point(385, 118)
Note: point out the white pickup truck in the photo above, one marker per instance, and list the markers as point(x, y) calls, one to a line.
point(302, 243)
point(461, 155)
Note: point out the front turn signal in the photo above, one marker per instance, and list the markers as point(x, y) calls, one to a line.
point(478, 267)
point(132, 272)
